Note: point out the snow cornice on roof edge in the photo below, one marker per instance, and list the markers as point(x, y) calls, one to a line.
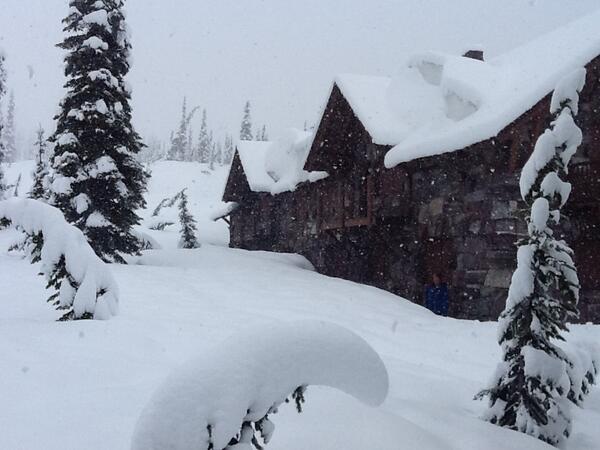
point(506, 86)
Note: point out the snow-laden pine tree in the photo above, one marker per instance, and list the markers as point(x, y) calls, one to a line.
point(179, 139)
point(97, 181)
point(246, 128)
point(189, 150)
point(218, 153)
point(10, 140)
point(213, 156)
point(179, 149)
point(203, 147)
point(530, 389)
point(211, 147)
point(228, 150)
point(2, 92)
point(261, 134)
point(188, 224)
point(39, 190)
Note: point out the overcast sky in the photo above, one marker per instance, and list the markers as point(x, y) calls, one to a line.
point(279, 54)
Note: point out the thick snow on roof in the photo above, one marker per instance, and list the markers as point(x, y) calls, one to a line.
point(476, 99)
point(368, 97)
point(277, 166)
point(252, 155)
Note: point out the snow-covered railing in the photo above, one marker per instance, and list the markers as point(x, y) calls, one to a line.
point(84, 286)
point(223, 400)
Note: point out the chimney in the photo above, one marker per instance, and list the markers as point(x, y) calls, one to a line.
point(474, 54)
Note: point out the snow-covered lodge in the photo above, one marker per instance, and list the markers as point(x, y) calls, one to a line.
point(417, 174)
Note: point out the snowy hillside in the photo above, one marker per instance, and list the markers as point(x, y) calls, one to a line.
point(82, 385)
point(204, 188)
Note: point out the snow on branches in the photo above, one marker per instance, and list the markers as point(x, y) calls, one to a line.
point(537, 381)
point(2, 92)
point(160, 221)
point(188, 224)
point(83, 286)
point(97, 180)
point(224, 399)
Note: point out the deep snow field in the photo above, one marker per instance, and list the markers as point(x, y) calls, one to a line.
point(81, 385)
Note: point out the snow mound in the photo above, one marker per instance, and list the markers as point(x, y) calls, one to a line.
point(92, 289)
point(249, 375)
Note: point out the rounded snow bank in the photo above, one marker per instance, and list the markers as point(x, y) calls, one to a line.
point(249, 376)
point(88, 287)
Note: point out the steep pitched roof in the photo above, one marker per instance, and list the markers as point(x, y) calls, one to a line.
point(479, 99)
point(368, 98)
point(252, 155)
point(440, 103)
point(276, 166)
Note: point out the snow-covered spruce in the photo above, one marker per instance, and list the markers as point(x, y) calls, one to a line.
point(2, 92)
point(97, 181)
point(531, 388)
point(224, 399)
point(9, 134)
point(202, 150)
point(228, 150)
point(159, 220)
point(39, 190)
point(246, 128)
point(180, 142)
point(188, 224)
point(83, 285)
point(261, 134)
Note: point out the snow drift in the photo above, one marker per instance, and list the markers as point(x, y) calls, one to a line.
point(207, 401)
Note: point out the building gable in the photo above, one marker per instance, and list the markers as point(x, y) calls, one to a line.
point(237, 187)
point(341, 141)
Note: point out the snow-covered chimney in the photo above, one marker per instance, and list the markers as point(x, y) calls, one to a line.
point(474, 54)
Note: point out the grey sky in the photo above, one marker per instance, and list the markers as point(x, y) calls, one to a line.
point(280, 54)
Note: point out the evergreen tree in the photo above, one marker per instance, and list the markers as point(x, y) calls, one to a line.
point(530, 391)
point(98, 183)
point(189, 151)
point(179, 141)
point(188, 224)
point(2, 91)
point(211, 145)
point(246, 128)
point(10, 150)
point(261, 134)
point(39, 190)
point(228, 150)
point(203, 148)
point(218, 156)
point(213, 156)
